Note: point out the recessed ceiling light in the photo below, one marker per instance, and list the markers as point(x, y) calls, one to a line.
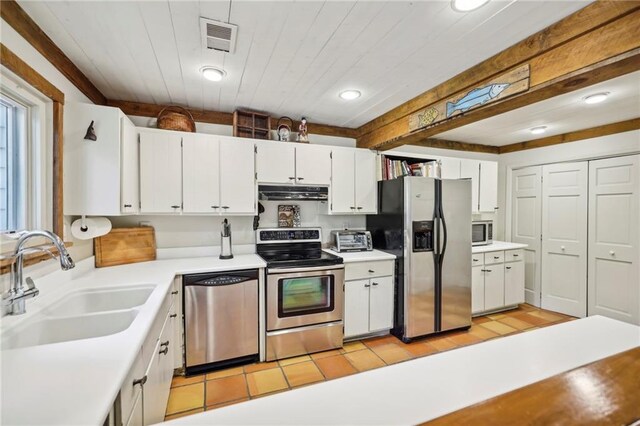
point(538, 130)
point(349, 95)
point(467, 5)
point(596, 98)
point(213, 73)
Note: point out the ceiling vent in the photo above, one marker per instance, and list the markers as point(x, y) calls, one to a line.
point(218, 35)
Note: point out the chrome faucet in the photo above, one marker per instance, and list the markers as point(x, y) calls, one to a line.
point(13, 301)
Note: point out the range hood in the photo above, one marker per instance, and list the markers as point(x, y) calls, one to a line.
point(297, 192)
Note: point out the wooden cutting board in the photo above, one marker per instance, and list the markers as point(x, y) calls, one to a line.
point(125, 245)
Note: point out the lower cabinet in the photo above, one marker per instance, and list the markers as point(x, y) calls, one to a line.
point(514, 283)
point(496, 284)
point(369, 299)
point(493, 286)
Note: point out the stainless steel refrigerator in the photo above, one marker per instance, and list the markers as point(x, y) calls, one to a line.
point(426, 223)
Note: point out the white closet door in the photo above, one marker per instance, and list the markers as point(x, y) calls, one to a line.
point(564, 238)
point(614, 240)
point(526, 193)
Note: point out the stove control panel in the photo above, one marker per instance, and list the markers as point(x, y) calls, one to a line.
point(288, 235)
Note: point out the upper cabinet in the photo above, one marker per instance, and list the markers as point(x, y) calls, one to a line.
point(484, 183)
point(237, 176)
point(200, 174)
point(354, 188)
point(101, 176)
point(288, 163)
point(160, 171)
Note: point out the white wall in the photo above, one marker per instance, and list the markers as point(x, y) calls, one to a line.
point(612, 145)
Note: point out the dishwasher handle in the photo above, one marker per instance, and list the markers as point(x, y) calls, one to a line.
point(220, 278)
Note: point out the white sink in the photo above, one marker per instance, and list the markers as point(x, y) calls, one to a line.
point(55, 330)
point(100, 300)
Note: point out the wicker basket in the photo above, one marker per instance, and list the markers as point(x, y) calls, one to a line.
point(175, 117)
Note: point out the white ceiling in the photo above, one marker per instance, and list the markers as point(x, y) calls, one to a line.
point(561, 114)
point(292, 58)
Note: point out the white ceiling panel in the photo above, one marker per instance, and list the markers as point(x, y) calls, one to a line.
point(292, 57)
point(561, 114)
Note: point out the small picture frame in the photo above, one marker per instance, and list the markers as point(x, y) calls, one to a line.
point(288, 216)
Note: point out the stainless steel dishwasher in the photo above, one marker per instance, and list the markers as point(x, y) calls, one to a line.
point(220, 319)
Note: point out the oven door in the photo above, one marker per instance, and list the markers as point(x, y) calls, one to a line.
point(304, 296)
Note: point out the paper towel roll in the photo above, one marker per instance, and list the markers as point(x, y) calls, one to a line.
point(90, 227)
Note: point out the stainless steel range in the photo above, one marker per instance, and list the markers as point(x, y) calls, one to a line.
point(305, 292)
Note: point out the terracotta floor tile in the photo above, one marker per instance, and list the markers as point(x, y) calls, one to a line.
point(184, 398)
point(480, 320)
point(325, 354)
point(266, 381)
point(481, 332)
point(532, 319)
point(391, 353)
point(183, 414)
point(378, 341)
point(364, 360)
point(498, 327)
point(294, 360)
point(353, 346)
point(496, 316)
point(224, 404)
point(552, 317)
point(182, 380)
point(226, 389)
point(225, 373)
point(259, 366)
point(419, 349)
point(516, 323)
point(442, 344)
point(302, 373)
point(465, 339)
point(335, 366)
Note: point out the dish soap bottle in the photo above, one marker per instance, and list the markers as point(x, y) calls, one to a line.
point(225, 240)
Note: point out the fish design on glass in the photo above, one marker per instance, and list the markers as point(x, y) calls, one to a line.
point(476, 97)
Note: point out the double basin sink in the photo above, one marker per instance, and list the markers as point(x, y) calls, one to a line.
point(82, 314)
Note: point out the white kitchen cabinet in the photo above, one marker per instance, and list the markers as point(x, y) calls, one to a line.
point(155, 392)
point(477, 289)
point(101, 176)
point(354, 188)
point(237, 177)
point(276, 162)
point(136, 418)
point(175, 316)
point(514, 283)
point(471, 169)
point(488, 189)
point(493, 286)
point(450, 168)
point(313, 164)
point(160, 172)
point(369, 297)
point(497, 280)
point(200, 174)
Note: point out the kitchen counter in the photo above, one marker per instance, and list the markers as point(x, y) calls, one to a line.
point(76, 382)
point(426, 388)
point(362, 256)
point(497, 246)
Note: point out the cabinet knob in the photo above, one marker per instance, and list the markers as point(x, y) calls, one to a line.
point(174, 292)
point(300, 178)
point(374, 283)
point(508, 267)
point(516, 255)
point(127, 205)
point(476, 260)
point(371, 271)
point(292, 178)
point(352, 208)
point(164, 343)
point(612, 253)
point(175, 207)
point(225, 207)
point(359, 208)
point(164, 351)
point(367, 285)
point(140, 381)
point(215, 207)
point(496, 257)
point(562, 248)
point(173, 315)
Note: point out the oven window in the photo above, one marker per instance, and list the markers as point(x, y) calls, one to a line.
point(305, 295)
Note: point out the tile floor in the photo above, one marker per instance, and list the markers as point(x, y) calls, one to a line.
point(225, 387)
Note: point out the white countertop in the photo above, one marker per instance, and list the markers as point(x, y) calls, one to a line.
point(422, 389)
point(362, 256)
point(497, 246)
point(76, 382)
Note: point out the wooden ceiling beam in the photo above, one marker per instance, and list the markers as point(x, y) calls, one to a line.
point(578, 135)
point(602, 31)
point(457, 146)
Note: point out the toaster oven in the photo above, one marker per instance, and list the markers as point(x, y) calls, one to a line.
point(347, 240)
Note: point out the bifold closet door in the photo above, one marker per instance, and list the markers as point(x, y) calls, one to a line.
point(526, 195)
point(614, 238)
point(564, 238)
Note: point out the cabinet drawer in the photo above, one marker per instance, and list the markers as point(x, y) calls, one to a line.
point(477, 259)
point(493, 257)
point(513, 255)
point(364, 270)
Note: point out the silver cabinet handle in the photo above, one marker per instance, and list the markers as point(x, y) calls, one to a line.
point(612, 253)
point(367, 285)
point(164, 343)
point(174, 292)
point(164, 351)
point(140, 381)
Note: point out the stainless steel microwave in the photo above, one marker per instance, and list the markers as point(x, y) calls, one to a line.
point(481, 232)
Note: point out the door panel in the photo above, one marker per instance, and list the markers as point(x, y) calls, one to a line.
point(526, 194)
point(471, 169)
point(493, 286)
point(342, 181)
point(564, 243)
point(514, 283)
point(275, 162)
point(237, 177)
point(381, 304)
point(614, 238)
point(366, 184)
point(200, 174)
point(130, 195)
point(356, 308)
point(488, 197)
point(160, 172)
point(456, 270)
point(313, 165)
point(477, 289)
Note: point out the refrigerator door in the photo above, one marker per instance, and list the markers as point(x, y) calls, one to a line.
point(455, 293)
point(419, 276)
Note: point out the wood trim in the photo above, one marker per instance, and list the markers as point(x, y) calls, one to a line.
point(14, 15)
point(611, 395)
point(591, 17)
point(594, 132)
point(457, 146)
point(224, 118)
point(20, 68)
point(58, 186)
point(7, 259)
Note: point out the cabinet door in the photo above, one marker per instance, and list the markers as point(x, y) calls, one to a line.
point(450, 168)
point(313, 165)
point(493, 286)
point(159, 375)
point(175, 318)
point(381, 304)
point(136, 417)
point(356, 307)
point(513, 283)
point(130, 189)
point(160, 172)
point(477, 289)
point(366, 182)
point(200, 174)
point(342, 181)
point(275, 162)
point(488, 186)
point(237, 177)
point(471, 169)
